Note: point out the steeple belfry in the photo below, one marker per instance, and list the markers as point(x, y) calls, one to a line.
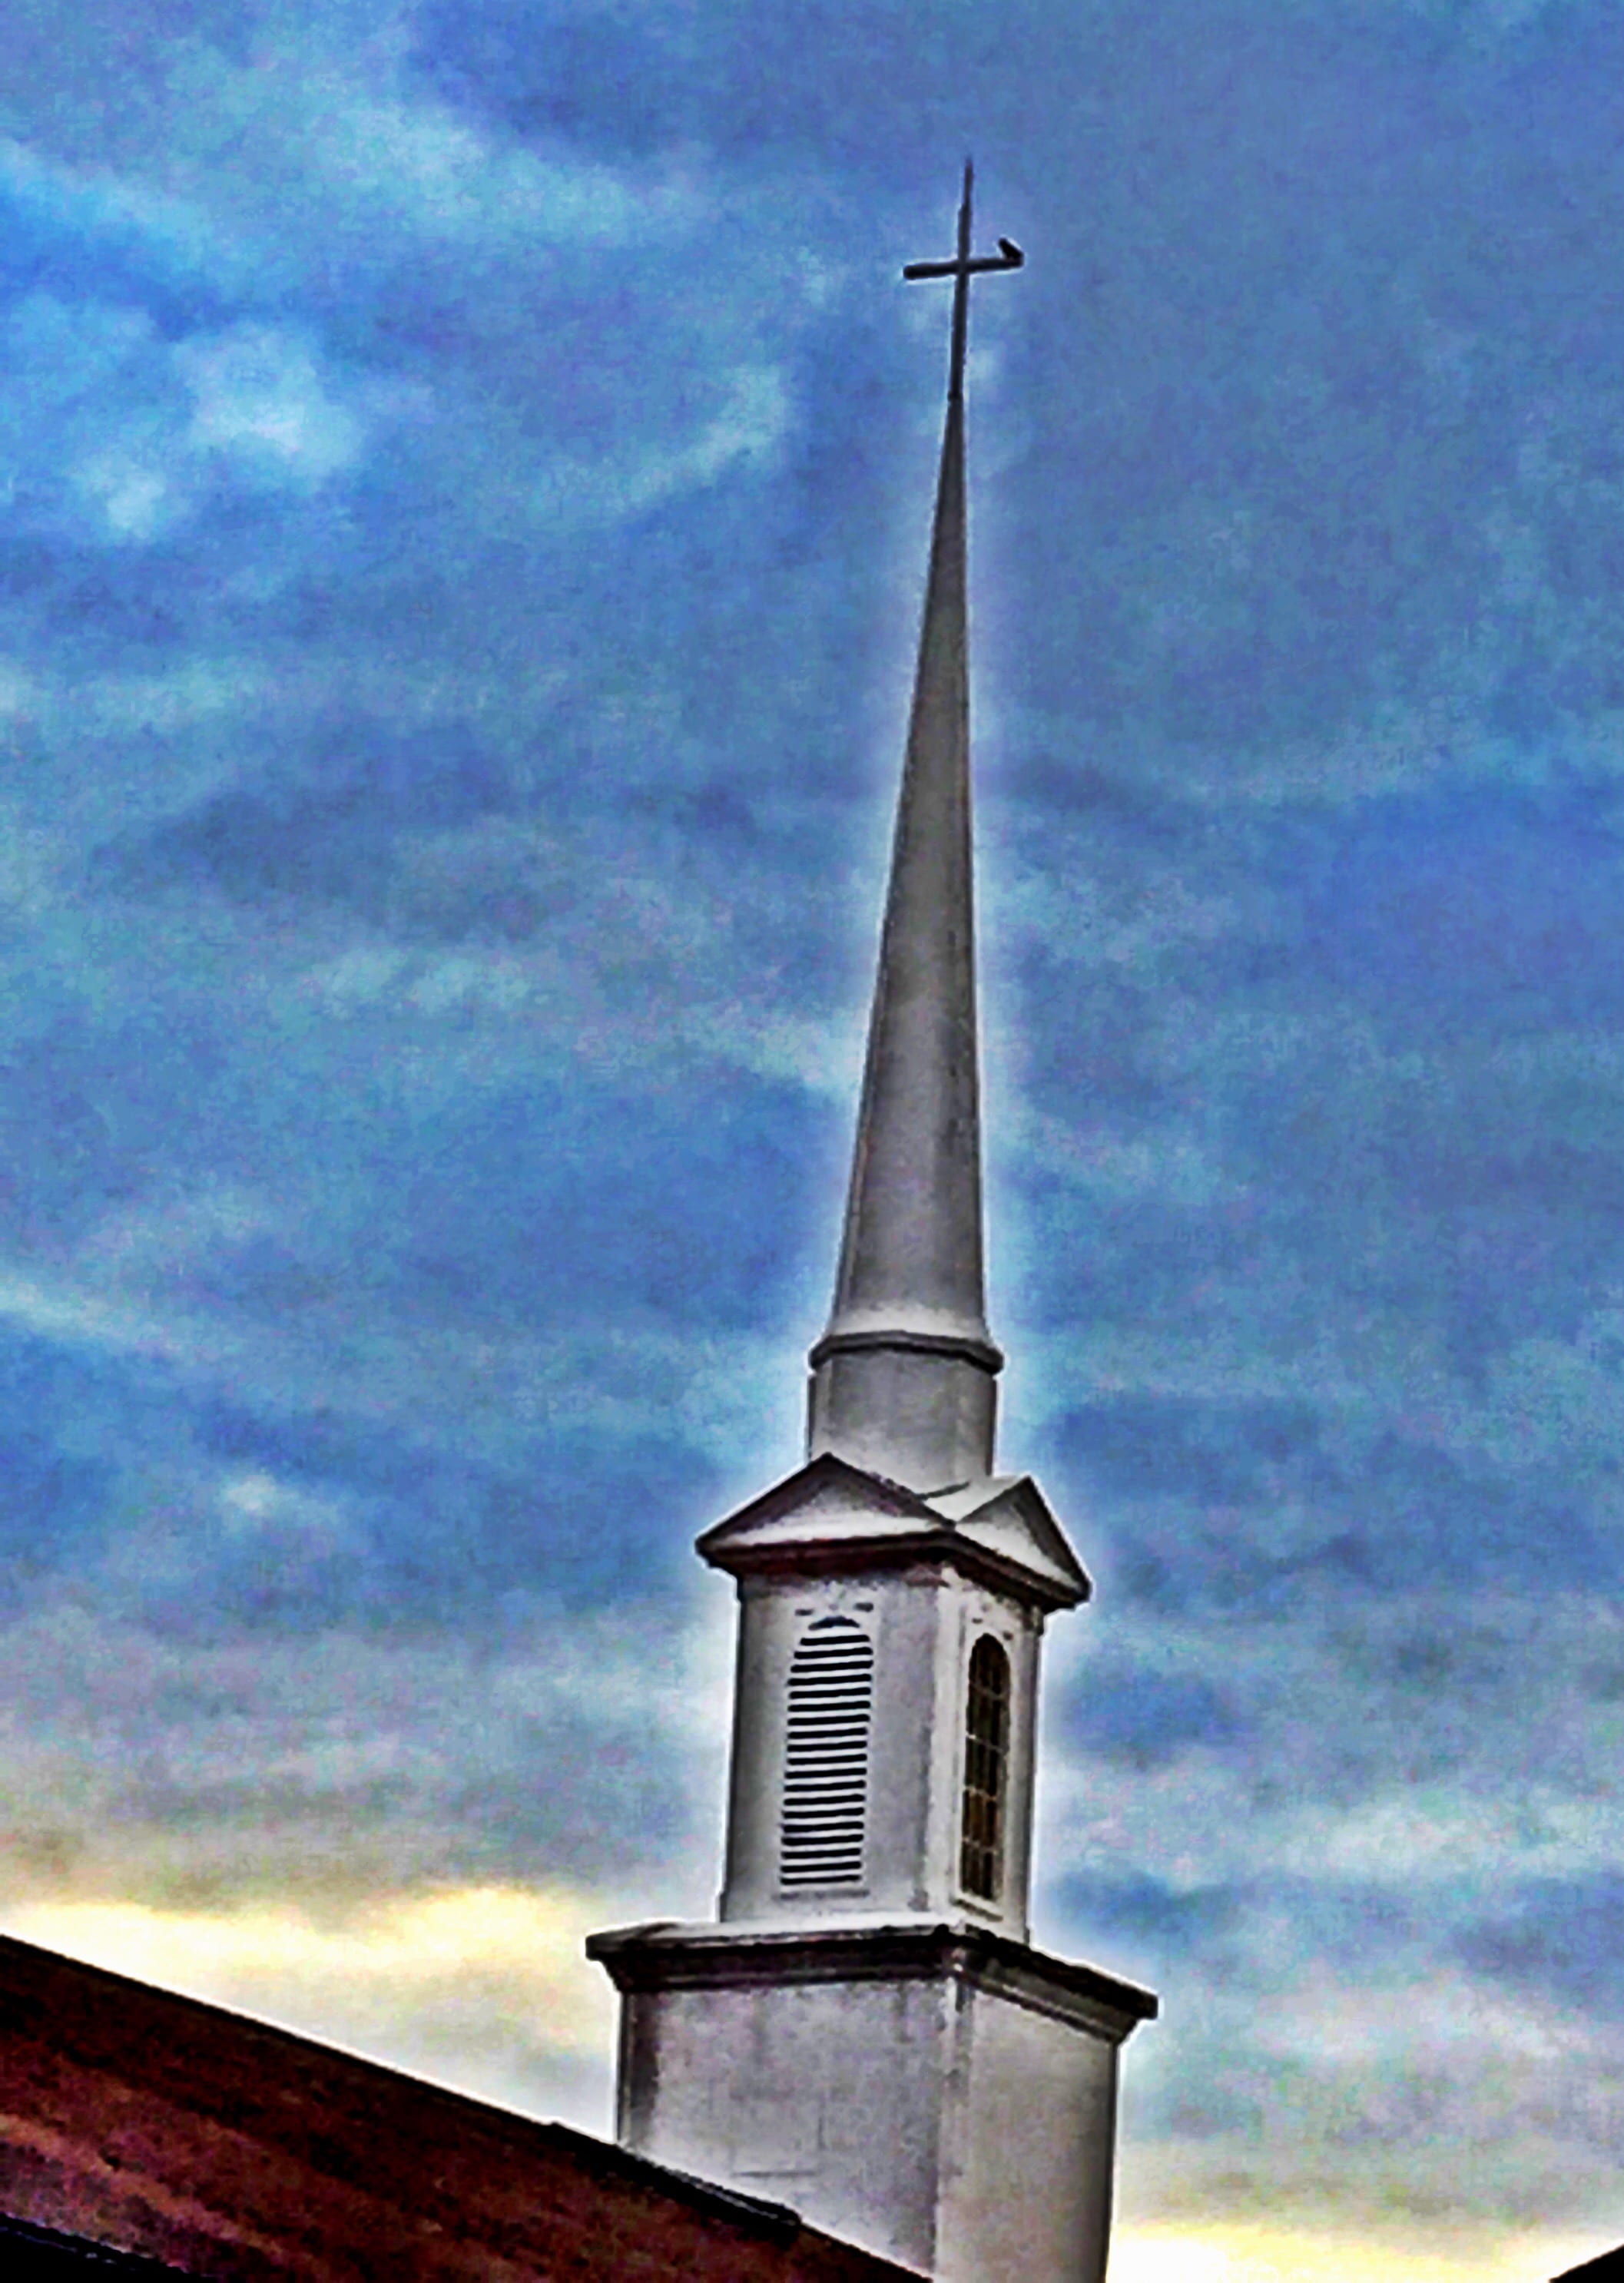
point(864, 2030)
point(903, 1377)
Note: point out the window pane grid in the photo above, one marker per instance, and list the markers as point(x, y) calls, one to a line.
point(986, 1747)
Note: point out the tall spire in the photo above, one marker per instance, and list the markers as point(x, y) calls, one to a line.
point(903, 1377)
point(864, 2030)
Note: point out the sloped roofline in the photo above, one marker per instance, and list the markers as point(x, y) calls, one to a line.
point(910, 1527)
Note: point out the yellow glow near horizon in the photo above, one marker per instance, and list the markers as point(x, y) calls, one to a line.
point(481, 1953)
point(1237, 2252)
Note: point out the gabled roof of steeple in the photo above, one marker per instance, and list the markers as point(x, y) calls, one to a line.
point(830, 1516)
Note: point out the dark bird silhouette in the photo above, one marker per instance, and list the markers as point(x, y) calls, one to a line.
point(1010, 249)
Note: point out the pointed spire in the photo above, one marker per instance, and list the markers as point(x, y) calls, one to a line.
point(903, 1377)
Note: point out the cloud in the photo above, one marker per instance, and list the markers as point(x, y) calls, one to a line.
point(484, 1987)
point(1434, 1835)
point(340, 125)
point(123, 437)
point(141, 1761)
point(258, 402)
point(1557, 1938)
point(444, 178)
point(78, 1316)
point(574, 496)
point(1423, 2100)
point(372, 1521)
point(66, 226)
point(1368, 1751)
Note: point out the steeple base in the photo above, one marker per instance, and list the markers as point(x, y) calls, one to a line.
point(933, 2092)
point(916, 1411)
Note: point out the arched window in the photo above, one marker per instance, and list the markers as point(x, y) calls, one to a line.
point(987, 1756)
point(826, 1757)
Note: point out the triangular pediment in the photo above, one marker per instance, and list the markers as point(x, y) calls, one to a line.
point(828, 1497)
point(829, 1511)
point(1009, 1515)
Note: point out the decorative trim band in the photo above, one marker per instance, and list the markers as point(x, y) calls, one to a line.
point(836, 1558)
point(672, 1957)
point(965, 1345)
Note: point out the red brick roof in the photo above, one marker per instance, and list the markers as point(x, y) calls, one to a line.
point(233, 2150)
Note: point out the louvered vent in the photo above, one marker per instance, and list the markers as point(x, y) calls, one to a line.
point(826, 1757)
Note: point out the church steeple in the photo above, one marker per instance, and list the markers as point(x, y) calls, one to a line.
point(864, 2030)
point(903, 1377)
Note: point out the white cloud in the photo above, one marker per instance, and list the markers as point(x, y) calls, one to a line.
point(747, 432)
point(254, 1505)
point(1061, 903)
point(259, 400)
point(135, 497)
point(327, 118)
point(823, 1054)
point(1444, 2021)
point(118, 434)
point(1431, 1832)
point(448, 179)
point(361, 976)
point(1169, 1166)
point(496, 982)
point(627, 969)
point(120, 705)
point(62, 1311)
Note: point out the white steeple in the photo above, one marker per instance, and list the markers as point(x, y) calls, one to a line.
point(903, 1379)
point(863, 2032)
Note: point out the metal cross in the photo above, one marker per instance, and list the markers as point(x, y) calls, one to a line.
point(961, 269)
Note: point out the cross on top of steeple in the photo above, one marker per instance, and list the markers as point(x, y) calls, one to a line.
point(964, 266)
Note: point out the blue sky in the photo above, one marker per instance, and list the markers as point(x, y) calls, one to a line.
point(463, 479)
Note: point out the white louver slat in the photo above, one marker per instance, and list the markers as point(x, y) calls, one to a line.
point(825, 1821)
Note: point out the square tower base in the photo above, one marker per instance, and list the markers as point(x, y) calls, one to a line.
point(937, 2093)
